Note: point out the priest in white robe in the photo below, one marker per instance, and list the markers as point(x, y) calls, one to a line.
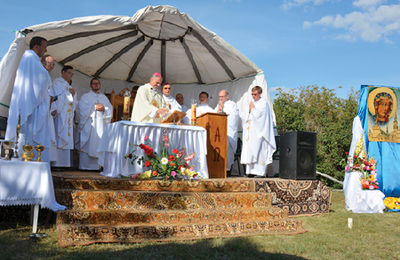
point(95, 111)
point(181, 101)
point(64, 107)
point(201, 108)
point(258, 135)
point(48, 62)
point(30, 100)
point(231, 109)
point(149, 105)
point(172, 104)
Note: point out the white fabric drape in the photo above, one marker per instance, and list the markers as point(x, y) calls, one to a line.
point(359, 200)
point(27, 183)
point(121, 137)
point(357, 135)
point(8, 69)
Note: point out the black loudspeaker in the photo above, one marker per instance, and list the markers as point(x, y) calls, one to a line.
point(297, 157)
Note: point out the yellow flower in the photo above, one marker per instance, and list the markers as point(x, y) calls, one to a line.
point(371, 177)
point(392, 203)
point(145, 175)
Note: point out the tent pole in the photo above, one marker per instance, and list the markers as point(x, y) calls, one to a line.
point(163, 59)
point(139, 58)
point(119, 54)
point(98, 45)
point(213, 53)
point(190, 57)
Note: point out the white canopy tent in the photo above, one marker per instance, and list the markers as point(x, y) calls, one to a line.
point(124, 51)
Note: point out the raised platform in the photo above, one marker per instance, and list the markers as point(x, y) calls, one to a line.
point(104, 209)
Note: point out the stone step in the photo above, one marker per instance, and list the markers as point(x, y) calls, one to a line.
point(171, 217)
point(136, 200)
point(88, 234)
point(102, 183)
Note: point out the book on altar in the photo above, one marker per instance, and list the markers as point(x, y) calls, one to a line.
point(174, 118)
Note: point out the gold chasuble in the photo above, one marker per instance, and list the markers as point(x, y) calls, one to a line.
point(147, 102)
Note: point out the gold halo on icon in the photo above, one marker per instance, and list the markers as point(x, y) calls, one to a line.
point(372, 95)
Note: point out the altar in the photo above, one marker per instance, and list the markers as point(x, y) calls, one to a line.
point(27, 183)
point(122, 137)
point(359, 200)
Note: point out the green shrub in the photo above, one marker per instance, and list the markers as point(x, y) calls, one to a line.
point(318, 109)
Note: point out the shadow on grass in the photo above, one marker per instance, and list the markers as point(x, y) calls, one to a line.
point(17, 244)
point(235, 248)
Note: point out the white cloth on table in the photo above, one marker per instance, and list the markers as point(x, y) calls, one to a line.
point(258, 138)
point(64, 121)
point(91, 127)
point(30, 103)
point(119, 139)
point(359, 200)
point(27, 183)
point(232, 110)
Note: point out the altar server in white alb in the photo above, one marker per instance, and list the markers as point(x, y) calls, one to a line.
point(180, 99)
point(63, 109)
point(48, 62)
point(258, 135)
point(169, 99)
point(30, 100)
point(95, 111)
point(201, 108)
point(149, 105)
point(231, 109)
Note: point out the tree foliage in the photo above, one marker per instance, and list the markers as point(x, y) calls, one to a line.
point(318, 109)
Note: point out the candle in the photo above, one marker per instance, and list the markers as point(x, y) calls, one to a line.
point(127, 100)
point(193, 120)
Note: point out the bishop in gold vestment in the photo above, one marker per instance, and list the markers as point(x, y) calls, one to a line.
point(149, 105)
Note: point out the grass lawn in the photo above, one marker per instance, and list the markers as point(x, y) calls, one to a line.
point(373, 236)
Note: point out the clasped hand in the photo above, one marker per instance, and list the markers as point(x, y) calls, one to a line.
point(100, 107)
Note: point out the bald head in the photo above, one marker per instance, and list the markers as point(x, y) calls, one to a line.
point(48, 62)
point(223, 96)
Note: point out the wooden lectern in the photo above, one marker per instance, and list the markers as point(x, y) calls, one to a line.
point(216, 126)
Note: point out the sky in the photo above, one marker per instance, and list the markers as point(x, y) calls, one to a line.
point(339, 44)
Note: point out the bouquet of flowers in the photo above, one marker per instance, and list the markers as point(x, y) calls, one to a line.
point(167, 165)
point(367, 167)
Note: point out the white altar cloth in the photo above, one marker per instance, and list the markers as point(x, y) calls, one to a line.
point(27, 183)
point(359, 200)
point(119, 139)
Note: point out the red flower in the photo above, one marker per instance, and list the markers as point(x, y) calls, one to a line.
point(130, 156)
point(154, 173)
point(147, 163)
point(172, 164)
point(355, 156)
point(147, 150)
point(171, 158)
point(175, 151)
point(180, 166)
point(346, 153)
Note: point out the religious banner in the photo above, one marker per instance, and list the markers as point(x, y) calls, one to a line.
point(382, 114)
